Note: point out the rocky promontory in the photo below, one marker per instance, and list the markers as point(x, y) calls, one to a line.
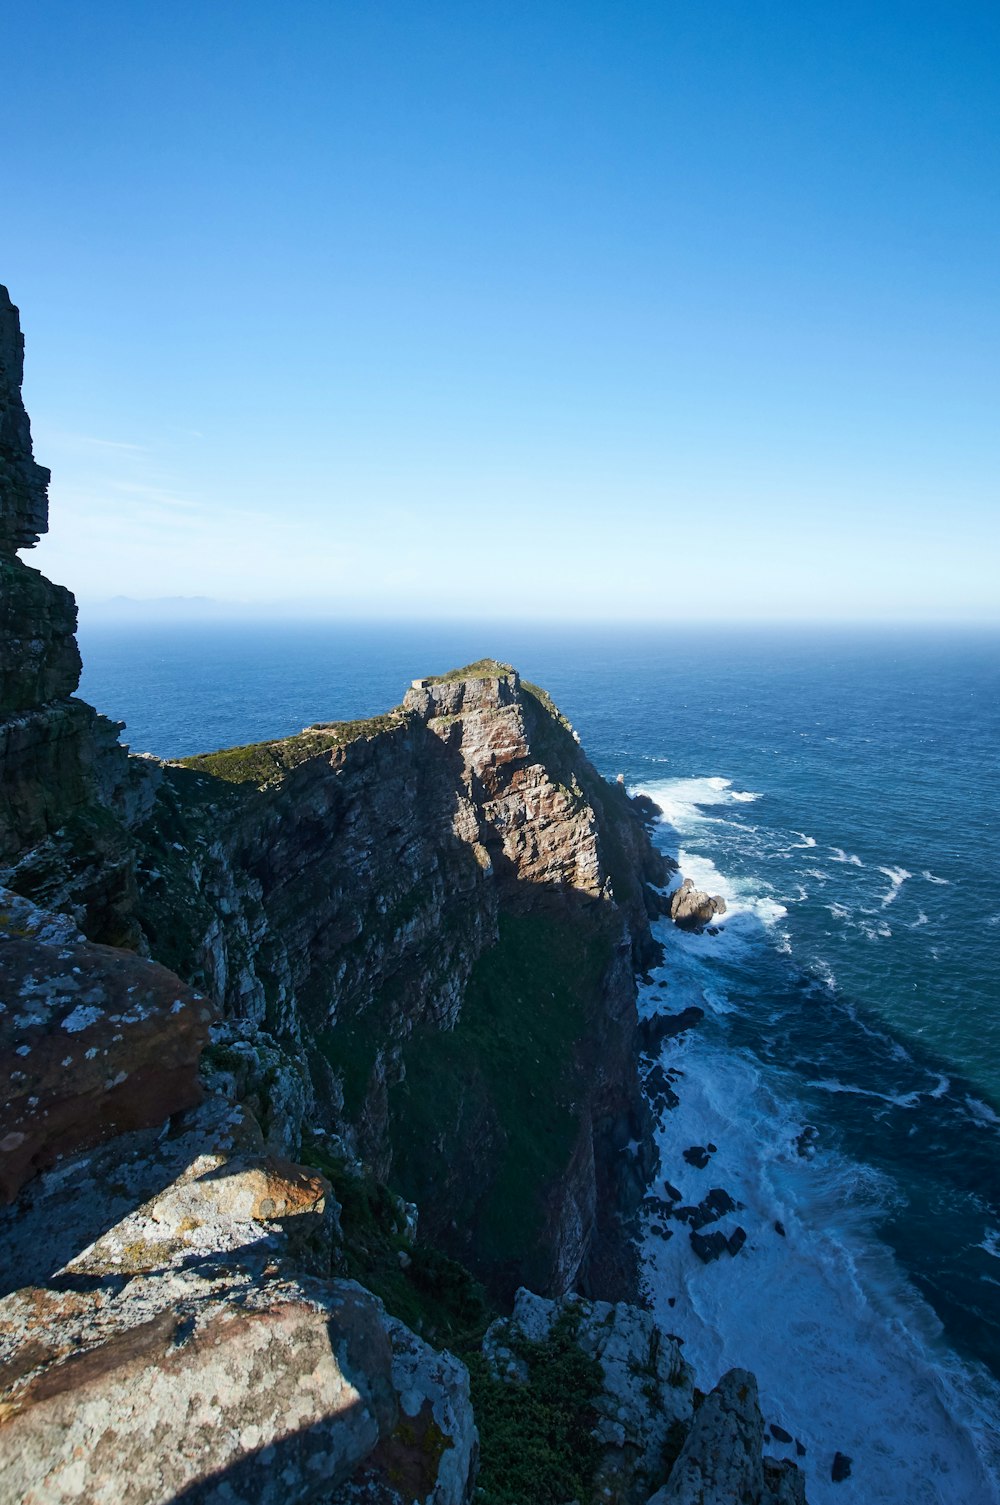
point(317, 1053)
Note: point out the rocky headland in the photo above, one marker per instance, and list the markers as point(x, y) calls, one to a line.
point(323, 1140)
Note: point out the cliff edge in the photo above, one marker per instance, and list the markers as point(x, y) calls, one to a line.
point(315, 1052)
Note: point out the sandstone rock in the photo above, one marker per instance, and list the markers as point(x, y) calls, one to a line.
point(647, 1391)
point(220, 1205)
point(692, 909)
point(191, 1387)
point(23, 483)
point(720, 1462)
point(39, 659)
point(93, 1041)
point(432, 1452)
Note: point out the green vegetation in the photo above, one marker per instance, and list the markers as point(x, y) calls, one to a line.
point(483, 668)
point(263, 763)
point(505, 1082)
point(432, 1294)
point(536, 1440)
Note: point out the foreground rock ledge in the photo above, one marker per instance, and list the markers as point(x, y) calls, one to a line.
point(190, 1388)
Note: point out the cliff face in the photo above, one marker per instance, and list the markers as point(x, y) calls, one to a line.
point(68, 791)
point(418, 933)
point(439, 912)
point(403, 949)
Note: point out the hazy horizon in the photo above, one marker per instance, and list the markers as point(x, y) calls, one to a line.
point(639, 314)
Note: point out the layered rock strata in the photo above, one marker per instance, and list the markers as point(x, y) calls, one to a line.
point(440, 912)
point(411, 946)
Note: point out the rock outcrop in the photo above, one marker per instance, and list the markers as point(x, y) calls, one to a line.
point(68, 791)
point(172, 1332)
point(645, 1400)
point(721, 1462)
point(241, 994)
point(692, 909)
point(440, 911)
point(94, 1041)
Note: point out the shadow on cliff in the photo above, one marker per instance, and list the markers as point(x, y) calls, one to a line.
point(257, 1476)
point(55, 1221)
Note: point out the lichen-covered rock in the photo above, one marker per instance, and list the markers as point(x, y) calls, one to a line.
point(220, 1205)
point(646, 1399)
point(94, 1041)
point(202, 1387)
point(692, 909)
point(721, 1462)
point(431, 1453)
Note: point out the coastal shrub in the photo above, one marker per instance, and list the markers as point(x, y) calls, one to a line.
point(262, 763)
point(434, 1295)
point(536, 1439)
point(483, 668)
point(504, 1082)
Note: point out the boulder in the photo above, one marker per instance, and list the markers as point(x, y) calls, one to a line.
point(94, 1041)
point(191, 1387)
point(841, 1468)
point(721, 1463)
point(432, 1451)
point(647, 1392)
point(709, 1246)
point(659, 1027)
point(692, 909)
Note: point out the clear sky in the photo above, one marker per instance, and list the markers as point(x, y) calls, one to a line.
point(641, 308)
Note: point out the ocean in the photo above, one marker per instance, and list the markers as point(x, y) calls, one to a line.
point(839, 788)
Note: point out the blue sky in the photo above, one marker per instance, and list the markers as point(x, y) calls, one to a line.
point(619, 310)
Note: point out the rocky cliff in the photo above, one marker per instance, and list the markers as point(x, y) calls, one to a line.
point(315, 1050)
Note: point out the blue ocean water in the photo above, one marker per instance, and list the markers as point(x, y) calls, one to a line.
point(840, 789)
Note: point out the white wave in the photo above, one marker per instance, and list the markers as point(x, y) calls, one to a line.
point(839, 911)
point(871, 932)
point(825, 973)
point(920, 920)
point(815, 872)
point(822, 1315)
point(742, 895)
point(900, 1100)
point(981, 1113)
point(931, 878)
point(897, 876)
point(993, 919)
point(943, 1087)
point(683, 800)
point(991, 1242)
point(804, 844)
point(839, 855)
